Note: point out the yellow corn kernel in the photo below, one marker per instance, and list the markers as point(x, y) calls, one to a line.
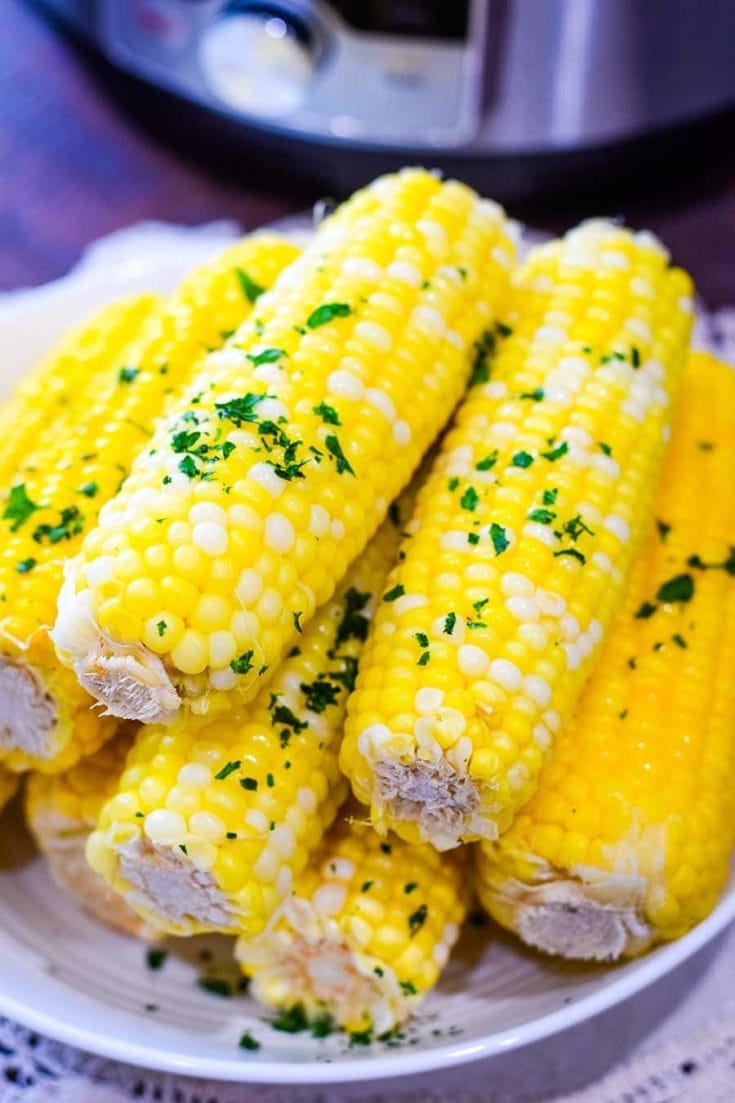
point(628, 837)
point(97, 399)
point(229, 807)
point(62, 810)
point(529, 520)
point(365, 932)
point(293, 439)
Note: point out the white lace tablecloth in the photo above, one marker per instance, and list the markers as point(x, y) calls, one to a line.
point(688, 1058)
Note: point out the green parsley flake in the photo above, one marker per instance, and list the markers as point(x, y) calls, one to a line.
point(326, 313)
point(243, 664)
point(473, 538)
point(248, 1042)
point(521, 459)
point(249, 783)
point(321, 694)
point(449, 622)
point(161, 627)
point(127, 375)
point(410, 887)
point(422, 639)
point(557, 452)
point(535, 395)
point(19, 507)
point(408, 988)
point(70, 523)
point(644, 611)
point(453, 483)
point(188, 467)
point(572, 553)
point(424, 659)
point(250, 289)
point(549, 496)
point(227, 770)
point(469, 499)
point(239, 410)
point(266, 356)
point(487, 462)
point(395, 592)
point(366, 886)
point(26, 565)
point(679, 640)
point(327, 413)
point(155, 958)
point(604, 447)
point(88, 490)
point(576, 526)
point(417, 919)
point(663, 530)
point(679, 588)
point(215, 986)
point(335, 449)
point(297, 621)
point(635, 357)
point(542, 516)
point(499, 538)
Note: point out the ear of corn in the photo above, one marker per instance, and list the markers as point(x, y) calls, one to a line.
point(8, 785)
point(627, 839)
point(273, 474)
point(62, 810)
point(521, 540)
point(212, 817)
point(93, 406)
point(364, 934)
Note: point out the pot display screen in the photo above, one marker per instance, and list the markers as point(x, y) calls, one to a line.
point(417, 18)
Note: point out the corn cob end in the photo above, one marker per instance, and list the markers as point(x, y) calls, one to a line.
point(29, 717)
point(128, 679)
point(595, 919)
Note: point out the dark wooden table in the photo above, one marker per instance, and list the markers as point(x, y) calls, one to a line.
point(74, 165)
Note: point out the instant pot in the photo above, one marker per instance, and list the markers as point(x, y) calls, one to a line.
point(511, 93)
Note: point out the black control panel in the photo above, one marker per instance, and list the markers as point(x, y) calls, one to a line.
point(443, 19)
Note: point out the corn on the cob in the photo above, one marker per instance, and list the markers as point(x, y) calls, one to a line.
point(213, 816)
point(627, 839)
point(115, 384)
point(8, 785)
point(522, 538)
point(62, 811)
point(274, 473)
point(365, 932)
point(38, 422)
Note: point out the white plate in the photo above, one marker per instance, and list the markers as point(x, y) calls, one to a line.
point(63, 975)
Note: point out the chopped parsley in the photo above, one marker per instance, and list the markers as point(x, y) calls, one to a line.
point(70, 523)
point(161, 627)
point(535, 395)
point(335, 449)
point(248, 1042)
point(422, 639)
point(187, 466)
point(366, 886)
point(645, 610)
point(449, 622)
point(408, 988)
point(250, 289)
point(243, 664)
point(26, 565)
point(294, 1020)
point(499, 539)
point(473, 538)
point(156, 957)
point(297, 621)
point(354, 625)
point(249, 783)
point(575, 527)
point(215, 986)
point(386, 848)
point(327, 413)
point(679, 588)
point(487, 462)
point(521, 459)
point(484, 349)
point(549, 496)
point(557, 452)
point(423, 659)
point(679, 640)
point(604, 447)
point(228, 769)
point(237, 410)
point(395, 592)
point(542, 516)
point(663, 530)
point(265, 356)
point(127, 375)
point(321, 694)
point(326, 313)
point(410, 887)
point(635, 357)
point(469, 499)
point(571, 552)
point(19, 507)
point(453, 483)
point(417, 919)
point(88, 490)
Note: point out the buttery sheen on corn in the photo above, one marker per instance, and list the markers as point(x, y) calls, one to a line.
point(62, 811)
point(269, 479)
point(73, 429)
point(627, 839)
point(212, 817)
point(521, 540)
point(364, 934)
